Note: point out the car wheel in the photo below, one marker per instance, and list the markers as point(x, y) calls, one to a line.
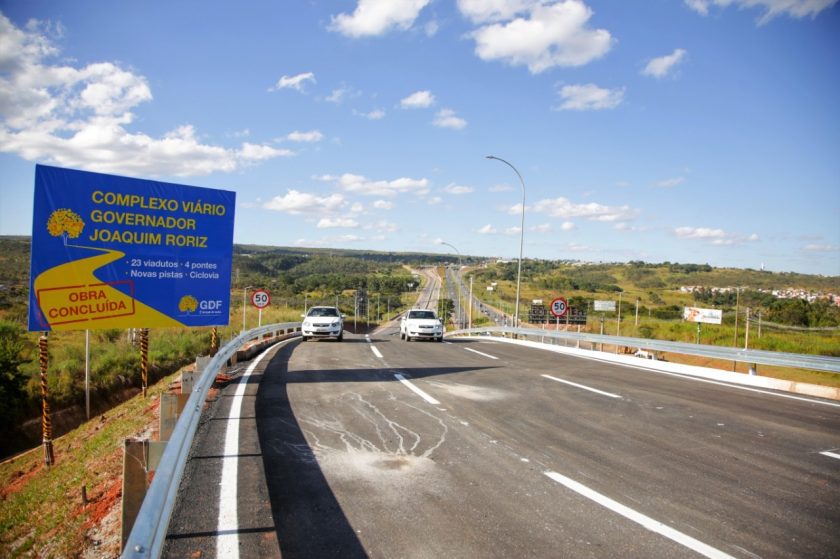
point(440, 339)
point(340, 337)
point(303, 338)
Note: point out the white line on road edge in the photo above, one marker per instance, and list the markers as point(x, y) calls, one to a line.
point(416, 390)
point(227, 544)
point(639, 518)
point(480, 353)
point(831, 454)
point(582, 386)
point(375, 351)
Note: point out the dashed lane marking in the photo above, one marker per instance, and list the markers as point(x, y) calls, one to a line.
point(481, 353)
point(595, 390)
point(416, 390)
point(639, 518)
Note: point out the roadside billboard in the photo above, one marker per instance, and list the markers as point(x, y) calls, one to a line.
point(709, 316)
point(118, 252)
point(604, 306)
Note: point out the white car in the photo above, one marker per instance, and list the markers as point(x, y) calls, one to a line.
point(322, 322)
point(421, 323)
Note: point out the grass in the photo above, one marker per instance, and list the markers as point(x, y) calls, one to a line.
point(41, 509)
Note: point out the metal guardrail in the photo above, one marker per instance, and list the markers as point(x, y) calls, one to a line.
point(754, 356)
point(149, 531)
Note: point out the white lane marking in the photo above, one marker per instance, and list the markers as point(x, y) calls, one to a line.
point(582, 386)
point(227, 544)
point(367, 338)
point(416, 390)
point(639, 518)
point(831, 454)
point(375, 351)
point(481, 353)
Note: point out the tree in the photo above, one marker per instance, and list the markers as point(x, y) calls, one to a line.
point(13, 349)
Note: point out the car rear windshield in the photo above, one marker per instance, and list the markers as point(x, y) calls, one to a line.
point(421, 314)
point(326, 311)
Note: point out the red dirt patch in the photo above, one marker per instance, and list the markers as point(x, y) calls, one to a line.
point(99, 507)
point(20, 480)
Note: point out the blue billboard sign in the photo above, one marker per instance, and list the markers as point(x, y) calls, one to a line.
point(118, 252)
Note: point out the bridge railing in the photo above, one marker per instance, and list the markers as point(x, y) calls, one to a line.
point(149, 531)
point(751, 356)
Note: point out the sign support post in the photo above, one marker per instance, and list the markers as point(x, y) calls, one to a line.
point(46, 419)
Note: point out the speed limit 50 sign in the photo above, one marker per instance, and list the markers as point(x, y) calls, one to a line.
point(559, 306)
point(260, 298)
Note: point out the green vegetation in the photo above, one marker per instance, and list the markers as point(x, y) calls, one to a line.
point(295, 277)
point(304, 277)
point(791, 325)
point(42, 512)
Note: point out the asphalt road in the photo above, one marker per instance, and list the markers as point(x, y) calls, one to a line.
point(383, 448)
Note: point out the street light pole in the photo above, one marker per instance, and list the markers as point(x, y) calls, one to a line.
point(457, 285)
point(244, 298)
point(521, 239)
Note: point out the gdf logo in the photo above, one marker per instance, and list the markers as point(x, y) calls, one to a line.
point(212, 305)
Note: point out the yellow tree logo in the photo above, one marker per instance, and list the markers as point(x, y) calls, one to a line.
point(65, 223)
point(188, 304)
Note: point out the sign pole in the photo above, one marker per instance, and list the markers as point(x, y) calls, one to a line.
point(46, 419)
point(87, 373)
point(144, 359)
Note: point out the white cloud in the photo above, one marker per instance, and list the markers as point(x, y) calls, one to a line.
point(328, 223)
point(418, 100)
point(500, 188)
point(311, 136)
point(553, 35)
point(513, 231)
point(296, 203)
point(563, 208)
point(670, 183)
point(376, 114)
point(483, 11)
point(813, 247)
point(383, 226)
point(377, 17)
point(257, 152)
point(383, 205)
point(458, 189)
point(435, 200)
point(77, 116)
point(542, 228)
point(589, 97)
point(297, 82)
point(446, 118)
point(348, 239)
point(797, 9)
point(339, 94)
point(487, 230)
point(660, 67)
point(358, 184)
point(717, 237)
point(568, 226)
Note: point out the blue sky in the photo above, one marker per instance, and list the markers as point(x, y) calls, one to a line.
point(704, 131)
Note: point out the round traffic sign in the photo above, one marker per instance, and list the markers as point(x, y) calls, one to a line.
point(559, 306)
point(260, 298)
